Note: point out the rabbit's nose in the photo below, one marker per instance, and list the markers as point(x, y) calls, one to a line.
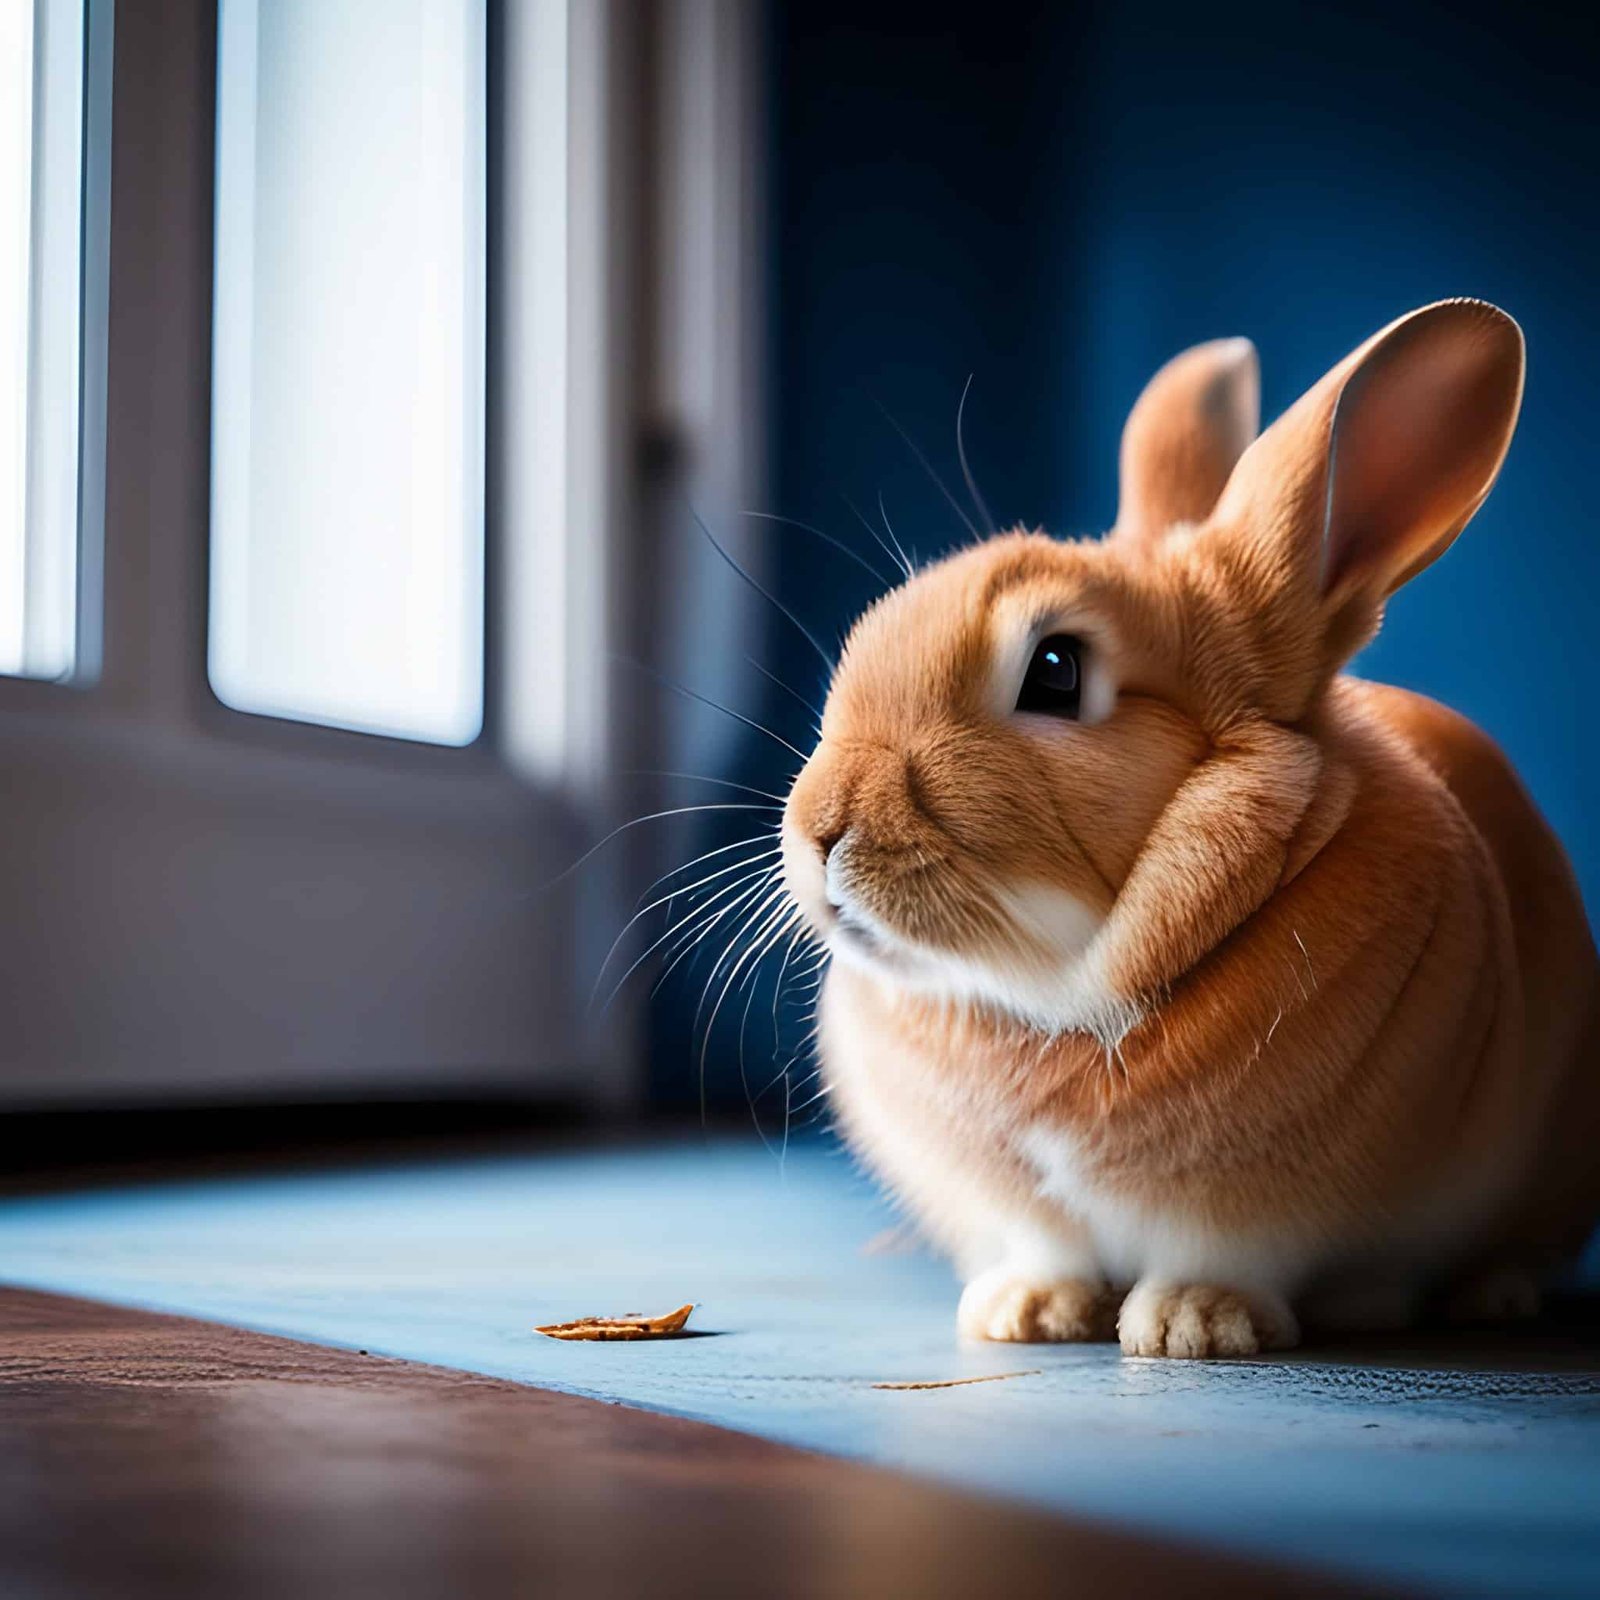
point(827, 838)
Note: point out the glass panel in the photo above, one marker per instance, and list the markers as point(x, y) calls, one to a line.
point(41, 184)
point(347, 401)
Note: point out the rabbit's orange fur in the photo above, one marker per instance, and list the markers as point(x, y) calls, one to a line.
point(1260, 989)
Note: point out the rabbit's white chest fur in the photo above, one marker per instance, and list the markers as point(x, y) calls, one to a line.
point(1128, 1239)
point(1004, 1195)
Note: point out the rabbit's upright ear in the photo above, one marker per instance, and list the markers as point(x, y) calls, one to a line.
point(1370, 476)
point(1361, 483)
point(1184, 435)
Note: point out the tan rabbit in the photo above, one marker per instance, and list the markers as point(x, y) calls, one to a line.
point(1180, 983)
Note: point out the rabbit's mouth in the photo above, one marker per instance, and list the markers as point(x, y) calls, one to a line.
point(1032, 961)
point(932, 929)
point(849, 924)
point(855, 932)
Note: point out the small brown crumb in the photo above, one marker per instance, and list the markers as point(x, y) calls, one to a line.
point(956, 1383)
point(628, 1327)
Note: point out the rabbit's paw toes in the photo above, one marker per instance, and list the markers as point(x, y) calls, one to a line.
point(1502, 1294)
point(1000, 1305)
point(1198, 1321)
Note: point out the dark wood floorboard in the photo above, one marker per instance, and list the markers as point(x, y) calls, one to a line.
point(145, 1456)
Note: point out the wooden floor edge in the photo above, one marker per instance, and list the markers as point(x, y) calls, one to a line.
point(150, 1454)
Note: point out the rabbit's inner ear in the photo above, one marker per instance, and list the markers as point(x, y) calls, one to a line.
point(1419, 432)
point(1183, 436)
point(1372, 473)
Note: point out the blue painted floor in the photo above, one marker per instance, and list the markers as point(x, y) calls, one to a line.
point(1467, 1466)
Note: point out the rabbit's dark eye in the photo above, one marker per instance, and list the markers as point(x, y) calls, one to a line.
point(1053, 682)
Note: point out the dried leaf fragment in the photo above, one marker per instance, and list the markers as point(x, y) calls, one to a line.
point(628, 1327)
point(900, 1240)
point(956, 1383)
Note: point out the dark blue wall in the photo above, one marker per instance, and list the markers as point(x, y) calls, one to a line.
point(1056, 199)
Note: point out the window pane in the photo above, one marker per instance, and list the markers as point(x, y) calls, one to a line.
point(347, 404)
point(41, 180)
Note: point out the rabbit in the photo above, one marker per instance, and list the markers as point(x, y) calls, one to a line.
point(1182, 987)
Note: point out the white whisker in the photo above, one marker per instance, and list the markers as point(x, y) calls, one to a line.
point(703, 921)
point(966, 470)
point(749, 870)
point(927, 466)
point(700, 777)
point(707, 855)
point(838, 544)
point(692, 942)
point(715, 705)
point(897, 555)
point(653, 816)
point(760, 915)
point(794, 694)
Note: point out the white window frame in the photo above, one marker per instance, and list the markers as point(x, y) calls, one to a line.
point(583, 527)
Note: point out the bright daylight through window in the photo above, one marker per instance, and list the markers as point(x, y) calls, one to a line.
point(348, 410)
point(41, 166)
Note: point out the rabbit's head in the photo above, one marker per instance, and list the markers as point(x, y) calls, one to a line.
point(1006, 730)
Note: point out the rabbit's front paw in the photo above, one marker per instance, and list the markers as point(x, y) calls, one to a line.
point(1198, 1321)
point(1001, 1305)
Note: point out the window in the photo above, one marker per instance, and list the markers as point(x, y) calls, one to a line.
point(283, 489)
point(41, 188)
point(347, 531)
